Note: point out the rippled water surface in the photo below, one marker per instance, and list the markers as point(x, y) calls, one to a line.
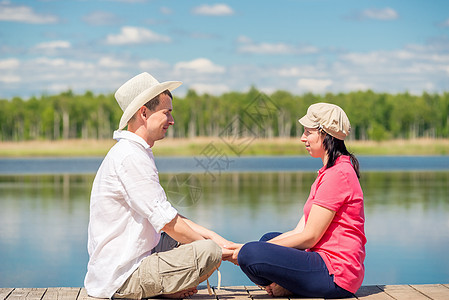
point(44, 218)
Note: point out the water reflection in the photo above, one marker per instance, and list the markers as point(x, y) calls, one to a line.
point(43, 222)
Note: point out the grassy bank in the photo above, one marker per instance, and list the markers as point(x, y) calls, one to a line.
point(216, 146)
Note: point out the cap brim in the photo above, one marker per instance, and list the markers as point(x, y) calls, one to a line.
point(306, 122)
point(144, 97)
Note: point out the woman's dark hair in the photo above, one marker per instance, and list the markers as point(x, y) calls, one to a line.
point(334, 148)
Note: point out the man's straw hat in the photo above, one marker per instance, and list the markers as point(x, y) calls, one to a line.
point(137, 91)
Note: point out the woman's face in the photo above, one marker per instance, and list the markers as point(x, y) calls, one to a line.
point(313, 141)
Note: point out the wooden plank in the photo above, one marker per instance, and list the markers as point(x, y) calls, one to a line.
point(83, 295)
point(27, 293)
point(61, 293)
point(433, 291)
point(4, 292)
point(403, 292)
point(372, 292)
point(232, 292)
point(203, 293)
point(380, 292)
point(353, 297)
point(256, 292)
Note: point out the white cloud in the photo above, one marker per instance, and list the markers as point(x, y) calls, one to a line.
point(24, 14)
point(248, 46)
point(136, 35)
point(111, 62)
point(243, 39)
point(10, 79)
point(199, 65)
point(55, 75)
point(153, 64)
point(130, 1)
point(266, 48)
point(354, 85)
point(45, 61)
point(384, 14)
point(213, 10)
point(53, 45)
point(314, 85)
point(99, 18)
point(413, 68)
point(166, 10)
point(303, 71)
point(213, 89)
point(445, 23)
point(9, 63)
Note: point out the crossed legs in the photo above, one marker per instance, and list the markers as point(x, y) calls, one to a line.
point(284, 271)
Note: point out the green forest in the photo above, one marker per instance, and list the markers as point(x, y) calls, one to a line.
point(373, 116)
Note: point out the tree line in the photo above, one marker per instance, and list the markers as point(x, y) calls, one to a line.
point(373, 116)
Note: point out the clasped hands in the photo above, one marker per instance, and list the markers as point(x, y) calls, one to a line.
point(230, 252)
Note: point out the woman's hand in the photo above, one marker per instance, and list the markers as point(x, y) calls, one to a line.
point(235, 248)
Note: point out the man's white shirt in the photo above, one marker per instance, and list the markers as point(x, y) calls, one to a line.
point(128, 209)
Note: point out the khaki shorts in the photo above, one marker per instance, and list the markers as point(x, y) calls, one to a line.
point(171, 271)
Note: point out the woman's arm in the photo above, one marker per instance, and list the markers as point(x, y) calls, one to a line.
point(317, 223)
point(298, 229)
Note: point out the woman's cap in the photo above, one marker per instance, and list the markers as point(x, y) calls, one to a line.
point(329, 117)
point(137, 91)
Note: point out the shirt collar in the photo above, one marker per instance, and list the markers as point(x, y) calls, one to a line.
point(340, 159)
point(128, 135)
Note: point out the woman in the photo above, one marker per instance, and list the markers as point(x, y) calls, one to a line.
point(323, 255)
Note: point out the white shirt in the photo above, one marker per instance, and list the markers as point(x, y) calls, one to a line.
point(128, 209)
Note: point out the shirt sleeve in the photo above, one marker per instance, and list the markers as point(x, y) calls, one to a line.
point(332, 191)
point(144, 193)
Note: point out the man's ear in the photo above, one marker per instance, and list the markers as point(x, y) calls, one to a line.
point(143, 111)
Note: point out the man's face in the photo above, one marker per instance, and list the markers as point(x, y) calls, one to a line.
point(160, 119)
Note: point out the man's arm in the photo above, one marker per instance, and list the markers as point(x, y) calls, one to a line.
point(179, 230)
point(206, 233)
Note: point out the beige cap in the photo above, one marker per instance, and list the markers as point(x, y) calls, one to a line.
point(329, 117)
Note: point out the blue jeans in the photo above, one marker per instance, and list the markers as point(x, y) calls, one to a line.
point(303, 273)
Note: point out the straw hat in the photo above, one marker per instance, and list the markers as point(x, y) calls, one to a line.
point(329, 117)
point(137, 91)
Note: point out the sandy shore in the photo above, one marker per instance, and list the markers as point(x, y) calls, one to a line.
point(217, 146)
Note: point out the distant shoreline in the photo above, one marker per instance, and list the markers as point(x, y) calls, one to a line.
point(216, 146)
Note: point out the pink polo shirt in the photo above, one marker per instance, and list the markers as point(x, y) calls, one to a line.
point(342, 246)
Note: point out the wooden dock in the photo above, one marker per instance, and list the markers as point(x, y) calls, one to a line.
point(373, 292)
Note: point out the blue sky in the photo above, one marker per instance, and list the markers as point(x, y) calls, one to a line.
point(49, 46)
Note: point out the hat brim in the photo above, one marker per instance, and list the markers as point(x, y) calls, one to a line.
point(144, 97)
point(306, 122)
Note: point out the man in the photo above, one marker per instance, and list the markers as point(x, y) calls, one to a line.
point(128, 258)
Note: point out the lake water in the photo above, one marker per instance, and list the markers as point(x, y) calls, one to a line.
point(45, 206)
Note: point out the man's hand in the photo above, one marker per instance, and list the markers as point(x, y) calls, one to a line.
point(235, 248)
point(226, 254)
